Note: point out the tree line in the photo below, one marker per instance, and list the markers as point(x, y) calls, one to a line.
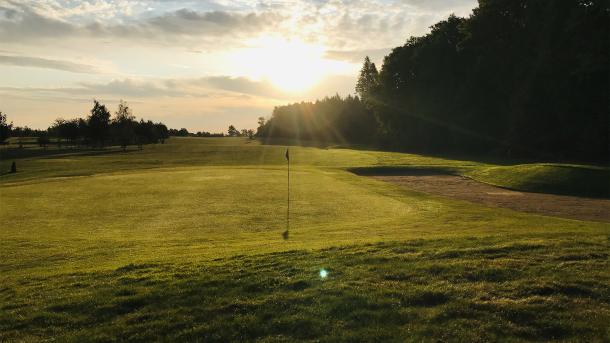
point(231, 132)
point(98, 129)
point(101, 129)
point(185, 133)
point(516, 78)
point(330, 120)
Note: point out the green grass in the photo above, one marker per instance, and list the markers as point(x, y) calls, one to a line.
point(182, 242)
point(548, 178)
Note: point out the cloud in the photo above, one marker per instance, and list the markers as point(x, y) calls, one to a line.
point(445, 6)
point(340, 25)
point(185, 87)
point(241, 85)
point(20, 23)
point(129, 88)
point(36, 62)
point(224, 86)
point(188, 87)
point(357, 56)
point(185, 21)
point(375, 24)
point(203, 87)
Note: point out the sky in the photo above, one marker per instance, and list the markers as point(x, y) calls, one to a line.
point(201, 65)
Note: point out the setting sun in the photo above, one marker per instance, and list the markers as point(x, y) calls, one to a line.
point(290, 65)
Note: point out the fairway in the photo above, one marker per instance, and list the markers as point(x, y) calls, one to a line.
point(182, 242)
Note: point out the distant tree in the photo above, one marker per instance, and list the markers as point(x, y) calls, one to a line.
point(68, 130)
point(152, 136)
point(124, 125)
point(25, 131)
point(233, 132)
point(162, 132)
point(208, 134)
point(148, 132)
point(98, 124)
point(250, 133)
point(5, 128)
point(368, 79)
point(72, 130)
point(98, 129)
point(140, 131)
point(54, 130)
point(261, 130)
point(43, 141)
point(58, 130)
point(179, 133)
point(83, 129)
point(123, 113)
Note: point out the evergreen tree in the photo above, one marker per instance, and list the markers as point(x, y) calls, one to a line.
point(368, 79)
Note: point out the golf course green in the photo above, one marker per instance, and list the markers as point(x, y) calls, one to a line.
point(182, 241)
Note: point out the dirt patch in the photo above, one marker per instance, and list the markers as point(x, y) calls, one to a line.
point(463, 188)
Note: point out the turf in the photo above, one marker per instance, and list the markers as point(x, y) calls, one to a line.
point(182, 242)
point(565, 179)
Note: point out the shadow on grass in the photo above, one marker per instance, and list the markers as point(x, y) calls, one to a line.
point(487, 158)
point(405, 171)
point(372, 292)
point(16, 153)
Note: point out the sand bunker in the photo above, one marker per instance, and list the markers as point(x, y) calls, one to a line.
point(463, 188)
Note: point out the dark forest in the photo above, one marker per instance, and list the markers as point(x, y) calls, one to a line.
point(515, 79)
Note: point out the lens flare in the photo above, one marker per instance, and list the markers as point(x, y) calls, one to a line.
point(323, 273)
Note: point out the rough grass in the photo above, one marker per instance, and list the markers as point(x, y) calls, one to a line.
point(548, 178)
point(467, 289)
point(182, 242)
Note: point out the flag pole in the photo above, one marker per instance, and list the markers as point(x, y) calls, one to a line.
point(288, 207)
point(285, 234)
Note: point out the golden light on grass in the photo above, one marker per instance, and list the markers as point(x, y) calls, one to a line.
point(414, 258)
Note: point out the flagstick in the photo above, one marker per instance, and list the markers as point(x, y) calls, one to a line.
point(285, 234)
point(288, 207)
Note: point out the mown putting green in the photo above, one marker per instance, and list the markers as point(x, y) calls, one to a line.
point(182, 241)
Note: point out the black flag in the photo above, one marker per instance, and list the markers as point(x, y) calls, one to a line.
point(287, 155)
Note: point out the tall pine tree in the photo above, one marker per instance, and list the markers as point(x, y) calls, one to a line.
point(368, 79)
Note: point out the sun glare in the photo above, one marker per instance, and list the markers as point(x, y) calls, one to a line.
point(290, 65)
point(323, 273)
